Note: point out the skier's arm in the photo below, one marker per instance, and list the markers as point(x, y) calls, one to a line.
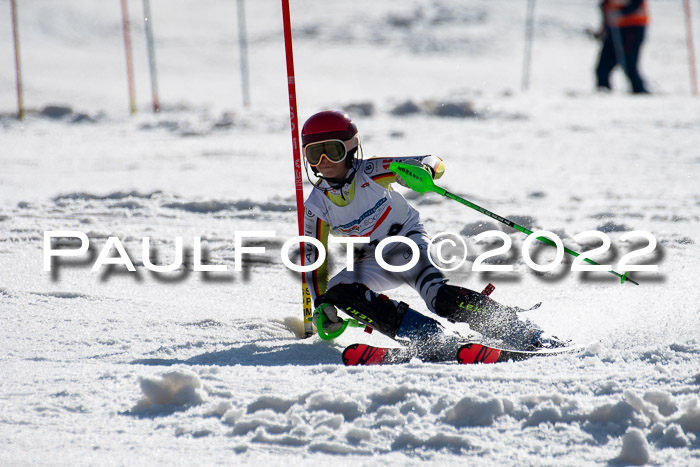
point(315, 227)
point(380, 173)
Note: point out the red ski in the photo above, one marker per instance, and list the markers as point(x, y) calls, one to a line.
point(363, 354)
point(479, 353)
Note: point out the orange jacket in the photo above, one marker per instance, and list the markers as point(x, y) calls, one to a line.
point(618, 13)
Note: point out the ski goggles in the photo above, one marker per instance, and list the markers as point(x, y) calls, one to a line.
point(334, 150)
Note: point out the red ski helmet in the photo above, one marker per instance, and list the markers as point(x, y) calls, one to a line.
point(331, 125)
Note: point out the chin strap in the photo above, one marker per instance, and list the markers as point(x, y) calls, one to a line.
point(334, 183)
point(338, 184)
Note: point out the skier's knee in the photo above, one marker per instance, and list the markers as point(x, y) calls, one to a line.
point(368, 307)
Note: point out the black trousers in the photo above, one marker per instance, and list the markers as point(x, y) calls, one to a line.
point(624, 53)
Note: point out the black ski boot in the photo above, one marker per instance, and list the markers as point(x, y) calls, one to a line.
point(491, 319)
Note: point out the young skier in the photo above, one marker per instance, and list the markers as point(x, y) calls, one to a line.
point(353, 198)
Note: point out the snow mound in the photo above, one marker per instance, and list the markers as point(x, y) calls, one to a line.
point(616, 418)
point(472, 411)
point(673, 436)
point(177, 388)
point(266, 419)
point(635, 449)
point(545, 414)
point(665, 403)
point(690, 418)
point(452, 443)
point(276, 404)
point(340, 405)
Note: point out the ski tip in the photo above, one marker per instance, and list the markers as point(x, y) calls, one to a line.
point(480, 353)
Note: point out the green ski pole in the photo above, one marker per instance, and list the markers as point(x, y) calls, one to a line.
point(421, 181)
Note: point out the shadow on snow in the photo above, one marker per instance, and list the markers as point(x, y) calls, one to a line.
point(319, 353)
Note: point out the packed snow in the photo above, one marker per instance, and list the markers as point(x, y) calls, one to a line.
point(119, 367)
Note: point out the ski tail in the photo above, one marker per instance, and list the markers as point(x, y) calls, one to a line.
point(478, 353)
point(363, 354)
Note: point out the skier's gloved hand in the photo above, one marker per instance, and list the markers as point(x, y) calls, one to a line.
point(416, 163)
point(331, 322)
point(436, 165)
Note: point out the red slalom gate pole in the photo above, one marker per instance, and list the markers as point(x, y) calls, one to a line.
point(129, 66)
point(308, 306)
point(691, 49)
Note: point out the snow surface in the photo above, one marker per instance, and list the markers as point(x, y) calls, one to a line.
point(113, 367)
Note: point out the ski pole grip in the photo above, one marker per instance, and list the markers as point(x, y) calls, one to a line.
point(416, 177)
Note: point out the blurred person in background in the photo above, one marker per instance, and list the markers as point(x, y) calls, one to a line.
point(622, 34)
